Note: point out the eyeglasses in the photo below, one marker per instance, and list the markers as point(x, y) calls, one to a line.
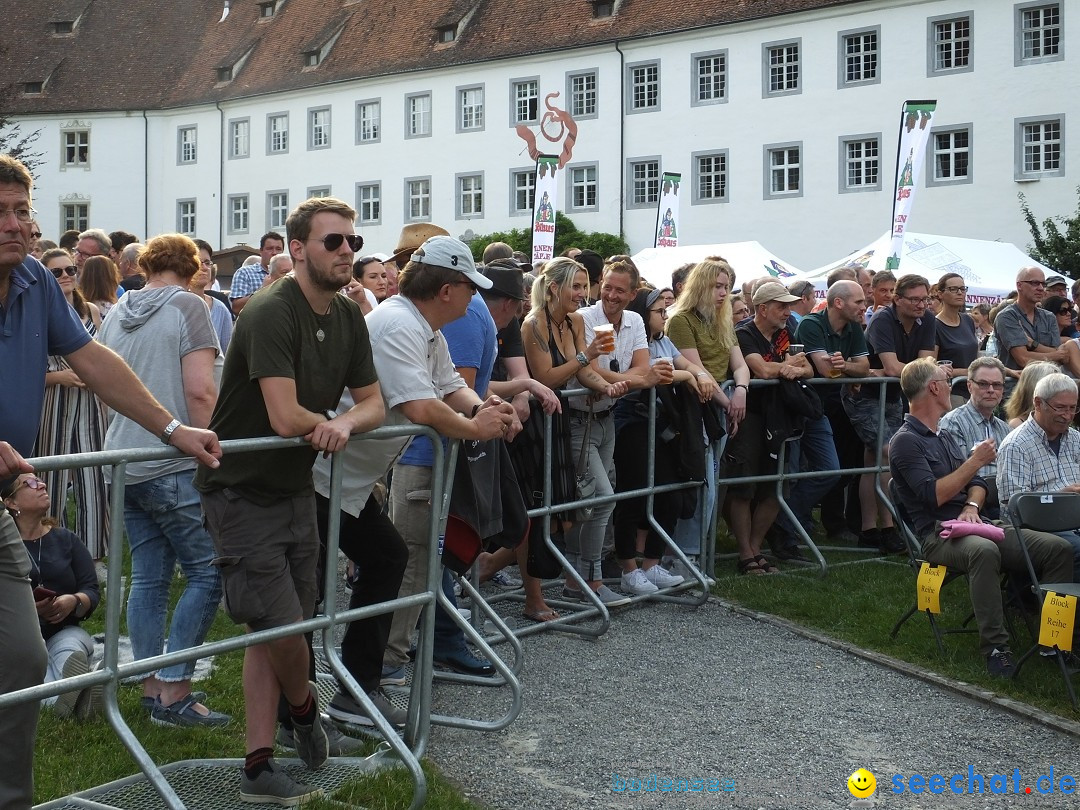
point(662, 312)
point(924, 300)
point(989, 386)
point(32, 482)
point(24, 215)
point(70, 270)
point(956, 289)
point(1033, 283)
point(35, 234)
point(1062, 410)
point(332, 241)
point(467, 283)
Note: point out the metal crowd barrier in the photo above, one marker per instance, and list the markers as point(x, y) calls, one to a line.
point(408, 748)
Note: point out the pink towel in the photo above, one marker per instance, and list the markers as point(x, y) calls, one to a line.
point(956, 529)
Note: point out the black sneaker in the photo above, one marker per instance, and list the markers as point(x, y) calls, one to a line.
point(275, 786)
point(341, 745)
point(870, 538)
point(1000, 664)
point(891, 542)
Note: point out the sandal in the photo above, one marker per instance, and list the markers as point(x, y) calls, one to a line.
point(765, 566)
point(540, 616)
point(750, 567)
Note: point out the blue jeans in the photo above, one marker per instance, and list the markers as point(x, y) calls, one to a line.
point(163, 518)
point(1074, 540)
point(815, 451)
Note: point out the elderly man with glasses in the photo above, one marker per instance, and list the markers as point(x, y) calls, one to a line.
point(1025, 332)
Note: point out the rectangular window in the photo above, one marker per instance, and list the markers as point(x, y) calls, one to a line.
point(1041, 145)
point(318, 191)
point(522, 191)
point(369, 203)
point(470, 201)
point(644, 87)
point(952, 157)
point(470, 109)
point(239, 138)
point(582, 92)
point(644, 183)
point(859, 162)
point(238, 213)
point(277, 209)
point(187, 146)
point(783, 68)
point(709, 77)
point(277, 133)
point(1039, 33)
point(418, 115)
point(711, 177)
point(418, 199)
point(859, 58)
point(950, 40)
point(319, 128)
point(185, 217)
point(368, 121)
point(75, 216)
point(583, 188)
point(524, 101)
point(783, 170)
point(77, 148)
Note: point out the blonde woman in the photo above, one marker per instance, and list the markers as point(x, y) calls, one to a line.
point(1021, 401)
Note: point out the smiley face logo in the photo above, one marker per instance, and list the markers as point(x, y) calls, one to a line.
point(862, 784)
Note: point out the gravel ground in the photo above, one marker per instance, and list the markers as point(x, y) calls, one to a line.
point(710, 693)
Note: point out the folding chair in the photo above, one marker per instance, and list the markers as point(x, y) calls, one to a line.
point(1051, 512)
point(915, 560)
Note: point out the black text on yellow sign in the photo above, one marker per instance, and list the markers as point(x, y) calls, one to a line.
point(928, 586)
point(1057, 621)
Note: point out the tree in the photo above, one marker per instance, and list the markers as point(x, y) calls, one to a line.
point(1058, 248)
point(567, 235)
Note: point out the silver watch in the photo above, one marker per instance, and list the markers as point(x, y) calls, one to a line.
point(582, 359)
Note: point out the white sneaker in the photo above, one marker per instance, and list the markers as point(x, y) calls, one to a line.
point(662, 578)
point(637, 583)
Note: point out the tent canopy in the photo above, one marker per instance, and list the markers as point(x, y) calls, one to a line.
point(748, 259)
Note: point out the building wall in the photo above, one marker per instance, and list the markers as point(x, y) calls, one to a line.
point(819, 223)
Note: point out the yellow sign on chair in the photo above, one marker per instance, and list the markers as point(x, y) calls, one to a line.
point(929, 587)
point(1057, 621)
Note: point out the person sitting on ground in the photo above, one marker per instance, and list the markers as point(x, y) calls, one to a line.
point(1021, 401)
point(65, 592)
point(974, 420)
point(937, 482)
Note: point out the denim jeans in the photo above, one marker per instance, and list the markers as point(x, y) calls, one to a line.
point(163, 518)
point(816, 450)
point(1073, 539)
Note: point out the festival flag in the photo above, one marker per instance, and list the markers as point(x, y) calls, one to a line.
point(667, 211)
point(543, 244)
point(910, 155)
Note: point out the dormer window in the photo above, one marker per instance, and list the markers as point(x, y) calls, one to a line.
point(33, 88)
point(448, 33)
point(603, 8)
point(312, 59)
point(230, 70)
point(225, 74)
point(266, 10)
point(60, 27)
point(316, 51)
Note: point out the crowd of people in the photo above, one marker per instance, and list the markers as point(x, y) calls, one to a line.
point(317, 339)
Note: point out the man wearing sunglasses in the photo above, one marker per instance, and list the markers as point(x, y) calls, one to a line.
point(297, 346)
point(1025, 331)
point(36, 321)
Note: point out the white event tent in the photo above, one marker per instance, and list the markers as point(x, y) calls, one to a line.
point(748, 259)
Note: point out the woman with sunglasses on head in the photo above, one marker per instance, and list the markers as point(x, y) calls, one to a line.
point(73, 420)
point(65, 592)
point(956, 338)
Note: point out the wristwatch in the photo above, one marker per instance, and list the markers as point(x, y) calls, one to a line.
point(329, 414)
point(77, 611)
point(973, 504)
point(582, 359)
point(169, 430)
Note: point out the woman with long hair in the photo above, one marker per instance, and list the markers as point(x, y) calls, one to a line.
point(1021, 401)
point(98, 282)
point(956, 338)
point(73, 420)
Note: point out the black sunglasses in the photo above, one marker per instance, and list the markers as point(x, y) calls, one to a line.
point(332, 241)
point(35, 234)
point(71, 270)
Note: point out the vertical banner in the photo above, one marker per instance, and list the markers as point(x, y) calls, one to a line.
point(543, 243)
point(915, 123)
point(667, 211)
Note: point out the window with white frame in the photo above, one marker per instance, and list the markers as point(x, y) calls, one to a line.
point(319, 128)
point(75, 216)
point(583, 187)
point(318, 191)
point(644, 182)
point(950, 42)
point(783, 67)
point(185, 217)
point(582, 92)
point(76, 148)
point(277, 133)
point(239, 138)
point(470, 109)
point(860, 163)
point(238, 213)
point(418, 199)
point(277, 209)
point(644, 87)
point(783, 170)
point(369, 203)
point(709, 78)
point(187, 145)
point(710, 177)
point(522, 191)
point(368, 121)
point(1038, 33)
point(418, 115)
point(470, 196)
point(858, 57)
point(524, 101)
point(1040, 147)
point(952, 156)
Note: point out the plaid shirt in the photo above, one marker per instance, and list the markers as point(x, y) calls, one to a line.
point(968, 427)
point(247, 280)
point(1027, 464)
